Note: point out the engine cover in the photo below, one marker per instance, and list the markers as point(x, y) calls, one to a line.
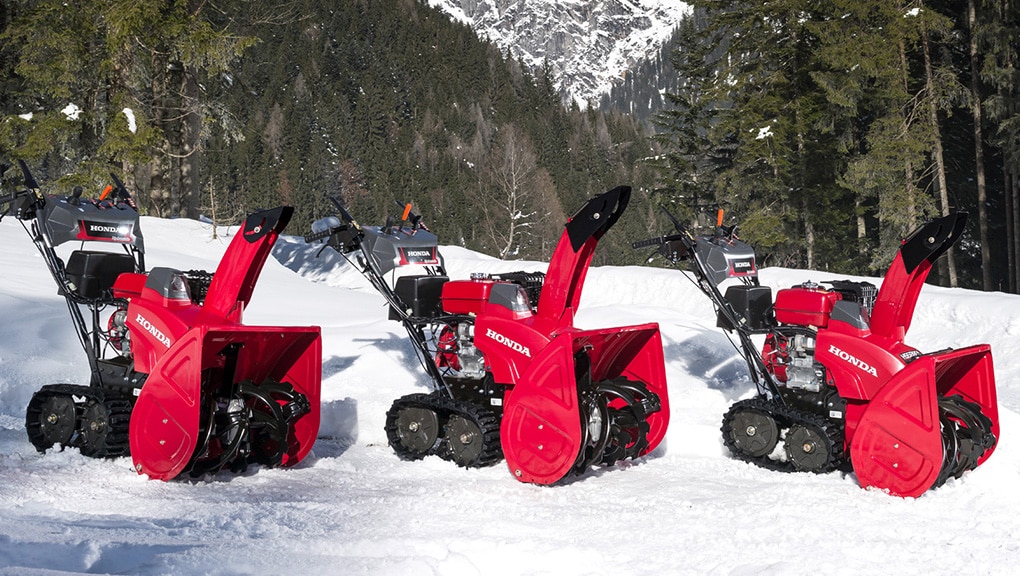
point(805, 305)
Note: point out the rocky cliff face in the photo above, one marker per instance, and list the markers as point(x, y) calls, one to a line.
point(589, 44)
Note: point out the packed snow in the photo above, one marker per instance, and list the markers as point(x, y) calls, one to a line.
point(352, 507)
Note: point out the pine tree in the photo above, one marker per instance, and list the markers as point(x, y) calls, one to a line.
point(117, 84)
point(807, 112)
point(684, 126)
point(1000, 70)
point(377, 101)
point(765, 110)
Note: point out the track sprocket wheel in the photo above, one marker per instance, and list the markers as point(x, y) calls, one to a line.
point(471, 434)
point(413, 427)
point(809, 448)
point(81, 417)
point(812, 443)
point(463, 440)
point(111, 439)
point(753, 432)
point(420, 425)
point(50, 420)
point(750, 430)
point(96, 427)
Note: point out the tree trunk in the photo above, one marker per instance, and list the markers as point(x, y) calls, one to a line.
point(979, 155)
point(1007, 180)
point(805, 208)
point(862, 230)
point(908, 167)
point(158, 194)
point(809, 236)
point(940, 164)
point(1014, 194)
point(191, 132)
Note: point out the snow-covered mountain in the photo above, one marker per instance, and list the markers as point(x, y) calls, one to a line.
point(589, 44)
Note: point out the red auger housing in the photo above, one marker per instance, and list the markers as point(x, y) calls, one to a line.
point(548, 365)
point(219, 393)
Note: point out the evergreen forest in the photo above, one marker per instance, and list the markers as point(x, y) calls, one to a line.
point(831, 129)
point(216, 109)
point(826, 129)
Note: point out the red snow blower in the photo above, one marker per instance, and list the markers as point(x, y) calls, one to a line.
point(176, 379)
point(836, 383)
point(512, 379)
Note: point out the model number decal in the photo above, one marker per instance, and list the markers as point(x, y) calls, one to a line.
point(910, 356)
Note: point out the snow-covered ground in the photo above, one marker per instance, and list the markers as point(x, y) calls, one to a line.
point(352, 507)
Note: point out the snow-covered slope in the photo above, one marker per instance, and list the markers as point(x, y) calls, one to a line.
point(353, 508)
point(588, 44)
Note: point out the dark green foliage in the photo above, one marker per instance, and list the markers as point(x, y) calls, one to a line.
point(100, 86)
point(381, 102)
point(817, 123)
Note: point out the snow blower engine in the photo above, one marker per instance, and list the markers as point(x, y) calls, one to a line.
point(176, 380)
point(837, 386)
point(512, 379)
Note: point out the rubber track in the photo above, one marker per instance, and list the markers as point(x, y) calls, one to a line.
point(119, 407)
point(785, 417)
point(445, 407)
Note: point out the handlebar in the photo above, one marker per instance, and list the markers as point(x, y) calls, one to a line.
point(344, 214)
point(656, 241)
point(27, 209)
point(674, 247)
point(8, 198)
point(22, 210)
point(321, 235)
